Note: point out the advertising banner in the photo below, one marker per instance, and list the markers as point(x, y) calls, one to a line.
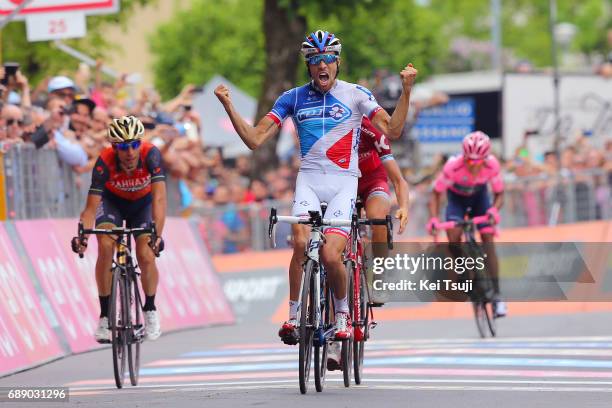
point(26, 337)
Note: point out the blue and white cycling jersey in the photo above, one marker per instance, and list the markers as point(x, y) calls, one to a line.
point(328, 124)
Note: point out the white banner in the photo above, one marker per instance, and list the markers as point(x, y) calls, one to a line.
point(528, 105)
point(57, 26)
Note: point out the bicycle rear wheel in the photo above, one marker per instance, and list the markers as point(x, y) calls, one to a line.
point(306, 327)
point(136, 330)
point(490, 313)
point(359, 344)
point(347, 345)
point(117, 321)
point(320, 352)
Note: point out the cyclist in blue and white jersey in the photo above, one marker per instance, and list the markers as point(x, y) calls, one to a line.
point(327, 114)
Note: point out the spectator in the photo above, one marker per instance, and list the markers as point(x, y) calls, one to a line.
point(230, 226)
point(11, 122)
point(62, 87)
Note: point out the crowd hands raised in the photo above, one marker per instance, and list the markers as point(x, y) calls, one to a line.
point(70, 113)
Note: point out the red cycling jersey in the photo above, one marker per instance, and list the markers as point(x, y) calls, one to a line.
point(109, 179)
point(374, 148)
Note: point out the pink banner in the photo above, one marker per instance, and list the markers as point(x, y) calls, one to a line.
point(26, 337)
point(68, 289)
point(189, 292)
point(189, 277)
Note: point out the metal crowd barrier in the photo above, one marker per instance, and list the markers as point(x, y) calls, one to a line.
point(37, 184)
point(528, 201)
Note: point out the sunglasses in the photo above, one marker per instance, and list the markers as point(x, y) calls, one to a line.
point(125, 146)
point(326, 58)
point(475, 162)
point(10, 122)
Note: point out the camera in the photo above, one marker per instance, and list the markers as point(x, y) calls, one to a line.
point(10, 70)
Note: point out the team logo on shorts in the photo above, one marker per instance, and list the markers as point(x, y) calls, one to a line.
point(338, 213)
point(304, 203)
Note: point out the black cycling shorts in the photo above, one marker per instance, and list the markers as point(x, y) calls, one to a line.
point(137, 214)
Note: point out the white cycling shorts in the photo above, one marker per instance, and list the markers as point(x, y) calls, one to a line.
point(339, 191)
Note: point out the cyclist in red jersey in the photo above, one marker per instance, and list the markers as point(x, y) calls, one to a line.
point(376, 165)
point(376, 162)
point(128, 184)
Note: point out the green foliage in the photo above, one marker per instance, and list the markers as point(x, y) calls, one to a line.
point(225, 36)
point(40, 59)
point(408, 35)
point(525, 25)
point(213, 37)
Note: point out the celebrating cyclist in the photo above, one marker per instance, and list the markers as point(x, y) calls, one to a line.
point(327, 114)
point(465, 178)
point(128, 184)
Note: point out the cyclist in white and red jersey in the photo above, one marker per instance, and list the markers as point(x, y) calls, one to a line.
point(327, 115)
point(465, 178)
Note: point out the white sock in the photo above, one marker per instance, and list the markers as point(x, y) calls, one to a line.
point(293, 307)
point(341, 305)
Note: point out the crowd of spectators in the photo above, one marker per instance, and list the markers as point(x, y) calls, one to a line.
point(69, 114)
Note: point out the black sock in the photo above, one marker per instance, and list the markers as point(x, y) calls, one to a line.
point(104, 305)
point(149, 303)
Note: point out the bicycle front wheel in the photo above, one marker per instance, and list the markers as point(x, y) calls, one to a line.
point(363, 326)
point(347, 345)
point(136, 329)
point(320, 350)
point(306, 326)
point(117, 321)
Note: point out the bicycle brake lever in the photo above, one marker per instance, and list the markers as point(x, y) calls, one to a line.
point(273, 235)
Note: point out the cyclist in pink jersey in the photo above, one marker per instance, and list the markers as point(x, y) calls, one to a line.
point(465, 178)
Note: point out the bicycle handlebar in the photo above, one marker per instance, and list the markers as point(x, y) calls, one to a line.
point(482, 219)
point(121, 231)
point(314, 219)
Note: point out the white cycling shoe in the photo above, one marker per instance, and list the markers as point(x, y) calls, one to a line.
point(152, 326)
point(500, 309)
point(102, 333)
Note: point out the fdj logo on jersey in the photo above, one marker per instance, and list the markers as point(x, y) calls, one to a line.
point(337, 112)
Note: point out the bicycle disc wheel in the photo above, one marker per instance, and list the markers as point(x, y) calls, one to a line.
point(320, 352)
point(117, 322)
point(359, 345)
point(347, 345)
point(136, 330)
point(306, 327)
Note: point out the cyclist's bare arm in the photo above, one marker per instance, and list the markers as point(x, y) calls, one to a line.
point(434, 203)
point(158, 191)
point(392, 125)
point(88, 216)
point(252, 136)
point(401, 191)
point(498, 200)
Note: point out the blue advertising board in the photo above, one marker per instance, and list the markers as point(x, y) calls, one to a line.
point(446, 123)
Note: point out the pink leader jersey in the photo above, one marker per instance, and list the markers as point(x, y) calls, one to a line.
point(456, 177)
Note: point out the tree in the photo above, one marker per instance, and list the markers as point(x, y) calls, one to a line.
point(38, 59)
point(213, 37)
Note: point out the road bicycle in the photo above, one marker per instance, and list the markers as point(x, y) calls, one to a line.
point(125, 312)
point(360, 306)
point(482, 291)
